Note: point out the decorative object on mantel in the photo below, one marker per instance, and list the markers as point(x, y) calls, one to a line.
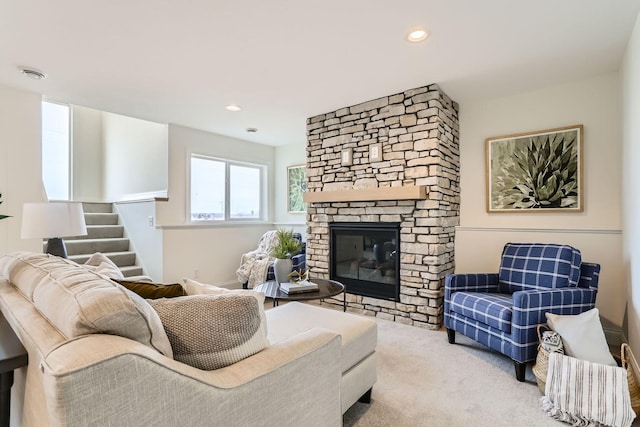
point(375, 152)
point(3, 216)
point(296, 186)
point(347, 156)
point(286, 247)
point(535, 171)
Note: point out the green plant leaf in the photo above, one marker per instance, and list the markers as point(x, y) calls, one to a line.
point(287, 246)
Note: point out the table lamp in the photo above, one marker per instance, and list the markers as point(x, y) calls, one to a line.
point(53, 221)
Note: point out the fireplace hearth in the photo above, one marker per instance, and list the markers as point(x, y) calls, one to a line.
point(365, 257)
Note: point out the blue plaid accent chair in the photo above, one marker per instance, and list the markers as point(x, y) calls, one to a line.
point(503, 310)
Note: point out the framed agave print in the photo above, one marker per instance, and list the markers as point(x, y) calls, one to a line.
point(536, 171)
point(296, 186)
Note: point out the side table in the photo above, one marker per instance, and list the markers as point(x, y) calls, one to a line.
point(12, 356)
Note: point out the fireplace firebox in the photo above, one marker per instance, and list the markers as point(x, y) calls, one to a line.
point(365, 257)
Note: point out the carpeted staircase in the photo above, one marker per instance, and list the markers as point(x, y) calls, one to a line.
point(106, 235)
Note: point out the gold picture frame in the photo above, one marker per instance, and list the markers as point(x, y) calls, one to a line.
point(535, 171)
point(296, 186)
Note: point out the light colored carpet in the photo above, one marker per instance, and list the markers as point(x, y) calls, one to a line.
point(425, 381)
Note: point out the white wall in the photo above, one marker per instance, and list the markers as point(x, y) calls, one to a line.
point(595, 103)
point(87, 146)
point(210, 252)
point(288, 155)
point(20, 163)
point(20, 181)
point(630, 72)
point(145, 238)
point(135, 157)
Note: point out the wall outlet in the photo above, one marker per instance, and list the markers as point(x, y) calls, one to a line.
point(150, 221)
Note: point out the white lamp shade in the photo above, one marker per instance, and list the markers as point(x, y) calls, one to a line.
point(54, 219)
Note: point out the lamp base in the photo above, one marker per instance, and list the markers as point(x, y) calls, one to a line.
point(56, 246)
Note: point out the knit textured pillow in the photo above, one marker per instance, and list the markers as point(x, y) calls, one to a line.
point(212, 331)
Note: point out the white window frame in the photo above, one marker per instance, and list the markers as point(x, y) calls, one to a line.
point(227, 206)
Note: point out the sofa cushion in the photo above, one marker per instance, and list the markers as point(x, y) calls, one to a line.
point(79, 302)
point(536, 266)
point(18, 269)
point(212, 331)
point(150, 290)
point(359, 334)
point(494, 310)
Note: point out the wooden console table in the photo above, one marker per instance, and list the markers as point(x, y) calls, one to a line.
point(12, 356)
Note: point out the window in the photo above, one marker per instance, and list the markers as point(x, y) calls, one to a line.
point(225, 190)
point(56, 154)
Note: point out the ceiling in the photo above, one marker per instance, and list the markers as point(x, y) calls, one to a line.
point(282, 61)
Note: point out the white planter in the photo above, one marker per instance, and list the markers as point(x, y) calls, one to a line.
point(281, 269)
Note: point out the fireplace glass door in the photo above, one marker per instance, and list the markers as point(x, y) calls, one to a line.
point(365, 257)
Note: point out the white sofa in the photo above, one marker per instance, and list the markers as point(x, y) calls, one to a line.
point(319, 362)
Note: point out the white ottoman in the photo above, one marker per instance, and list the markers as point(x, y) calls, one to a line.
point(359, 337)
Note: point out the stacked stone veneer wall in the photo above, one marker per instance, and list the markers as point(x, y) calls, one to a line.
point(418, 132)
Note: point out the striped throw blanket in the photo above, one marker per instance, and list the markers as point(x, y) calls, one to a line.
point(583, 393)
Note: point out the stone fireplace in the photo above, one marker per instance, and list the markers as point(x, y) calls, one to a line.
point(391, 160)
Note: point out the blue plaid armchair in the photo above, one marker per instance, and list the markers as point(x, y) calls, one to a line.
point(503, 310)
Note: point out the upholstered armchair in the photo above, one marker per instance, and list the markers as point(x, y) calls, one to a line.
point(257, 266)
point(502, 310)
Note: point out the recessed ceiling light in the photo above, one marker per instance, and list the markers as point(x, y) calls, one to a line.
point(252, 130)
point(417, 35)
point(233, 107)
point(33, 74)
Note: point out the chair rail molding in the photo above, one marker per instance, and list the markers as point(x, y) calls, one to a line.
point(541, 230)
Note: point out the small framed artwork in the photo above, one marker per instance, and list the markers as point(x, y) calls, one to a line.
point(375, 152)
point(296, 186)
point(347, 156)
point(535, 171)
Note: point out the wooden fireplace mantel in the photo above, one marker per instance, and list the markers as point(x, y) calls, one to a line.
point(406, 192)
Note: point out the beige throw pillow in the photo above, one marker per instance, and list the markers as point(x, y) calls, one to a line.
point(212, 331)
point(101, 264)
point(193, 287)
point(582, 336)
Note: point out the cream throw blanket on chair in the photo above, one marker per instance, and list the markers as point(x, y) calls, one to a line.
point(255, 264)
point(583, 393)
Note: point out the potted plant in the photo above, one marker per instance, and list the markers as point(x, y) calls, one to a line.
point(286, 247)
point(3, 216)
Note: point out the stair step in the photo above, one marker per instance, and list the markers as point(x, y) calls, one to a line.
point(104, 235)
point(102, 232)
point(101, 218)
point(121, 259)
point(131, 271)
point(90, 207)
point(91, 246)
